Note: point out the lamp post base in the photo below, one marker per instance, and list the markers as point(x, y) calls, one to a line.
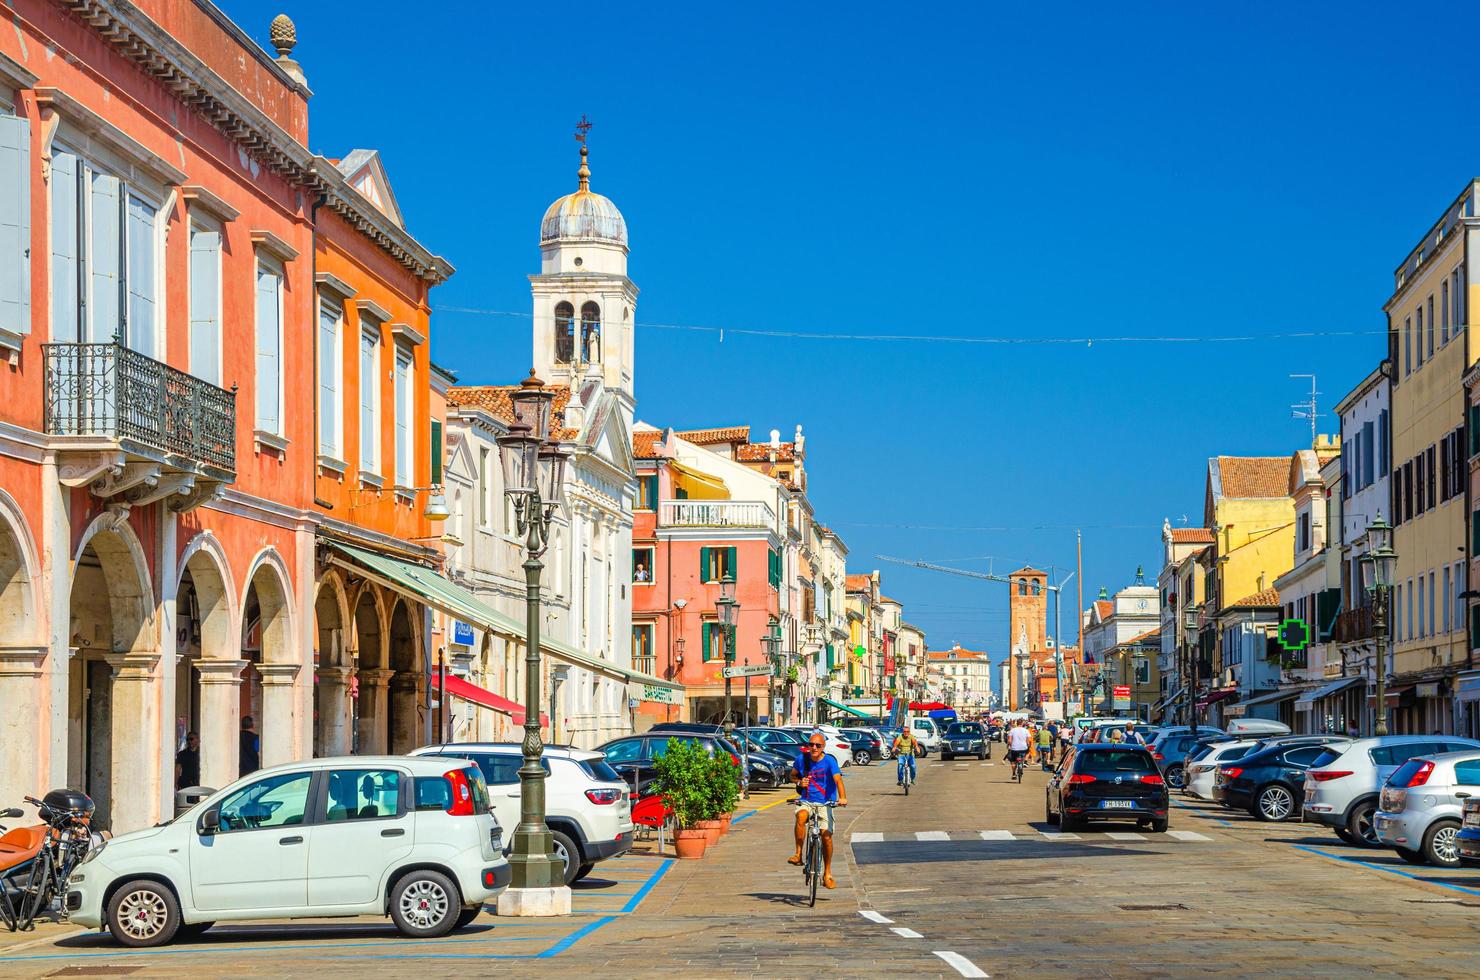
point(533, 902)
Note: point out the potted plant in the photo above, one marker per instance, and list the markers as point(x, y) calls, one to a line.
point(724, 783)
point(681, 776)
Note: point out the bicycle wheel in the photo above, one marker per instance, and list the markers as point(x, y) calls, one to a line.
point(906, 782)
point(814, 872)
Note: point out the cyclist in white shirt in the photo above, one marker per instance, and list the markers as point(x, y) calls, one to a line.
point(1017, 742)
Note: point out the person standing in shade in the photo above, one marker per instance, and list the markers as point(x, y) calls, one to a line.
point(187, 762)
point(250, 757)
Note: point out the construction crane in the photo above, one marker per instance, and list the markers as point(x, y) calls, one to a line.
point(1058, 656)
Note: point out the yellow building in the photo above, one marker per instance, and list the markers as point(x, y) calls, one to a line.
point(1430, 348)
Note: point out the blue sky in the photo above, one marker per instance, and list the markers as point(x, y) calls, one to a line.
point(956, 171)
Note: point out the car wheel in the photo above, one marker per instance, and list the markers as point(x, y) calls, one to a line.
point(1346, 835)
point(467, 915)
point(861, 757)
point(143, 913)
point(981, 757)
point(567, 853)
point(1176, 777)
point(584, 870)
point(1439, 845)
point(1274, 803)
point(1049, 817)
point(1359, 825)
point(1159, 826)
point(192, 930)
point(425, 904)
point(1412, 857)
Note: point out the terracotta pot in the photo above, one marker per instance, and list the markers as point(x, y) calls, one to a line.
point(724, 823)
point(711, 829)
point(690, 844)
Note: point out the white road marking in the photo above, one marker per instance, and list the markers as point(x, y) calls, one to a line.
point(932, 835)
point(961, 964)
point(1125, 836)
point(866, 838)
point(1186, 835)
point(1057, 835)
point(873, 916)
point(997, 835)
point(904, 933)
point(937, 765)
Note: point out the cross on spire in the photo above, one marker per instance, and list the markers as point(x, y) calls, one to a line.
point(584, 174)
point(582, 128)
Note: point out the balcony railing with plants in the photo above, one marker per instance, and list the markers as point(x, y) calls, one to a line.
point(715, 513)
point(110, 391)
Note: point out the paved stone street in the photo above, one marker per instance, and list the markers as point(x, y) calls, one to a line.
point(964, 866)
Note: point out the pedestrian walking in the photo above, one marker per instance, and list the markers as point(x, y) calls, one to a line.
point(250, 753)
point(187, 762)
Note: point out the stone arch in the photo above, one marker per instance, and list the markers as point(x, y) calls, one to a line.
point(127, 583)
point(20, 612)
point(331, 609)
point(371, 629)
point(404, 722)
point(209, 664)
point(210, 571)
point(266, 605)
point(269, 578)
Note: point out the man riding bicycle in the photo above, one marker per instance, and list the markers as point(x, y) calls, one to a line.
point(819, 781)
point(905, 748)
point(1017, 743)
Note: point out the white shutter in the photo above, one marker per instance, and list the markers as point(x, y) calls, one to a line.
point(328, 380)
point(105, 259)
point(64, 250)
point(143, 327)
point(15, 225)
point(269, 382)
point(404, 476)
point(205, 304)
point(369, 398)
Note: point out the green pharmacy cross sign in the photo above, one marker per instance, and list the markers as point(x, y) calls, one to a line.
point(1294, 635)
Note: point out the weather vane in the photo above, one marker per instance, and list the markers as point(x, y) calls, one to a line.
point(582, 128)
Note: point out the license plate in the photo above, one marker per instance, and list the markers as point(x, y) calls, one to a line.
point(1472, 820)
point(1117, 804)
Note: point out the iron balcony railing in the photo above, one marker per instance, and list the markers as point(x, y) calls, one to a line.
point(114, 392)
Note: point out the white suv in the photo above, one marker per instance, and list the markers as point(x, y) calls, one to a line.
point(1341, 787)
point(588, 806)
point(410, 838)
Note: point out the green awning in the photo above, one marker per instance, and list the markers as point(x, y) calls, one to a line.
point(844, 708)
point(442, 593)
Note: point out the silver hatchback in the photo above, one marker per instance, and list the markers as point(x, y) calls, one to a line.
point(1419, 813)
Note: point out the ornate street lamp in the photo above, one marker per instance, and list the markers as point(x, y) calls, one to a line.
point(1189, 630)
point(534, 480)
point(1379, 563)
point(727, 609)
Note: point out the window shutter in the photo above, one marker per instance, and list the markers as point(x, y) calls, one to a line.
point(105, 321)
point(269, 382)
point(404, 476)
point(64, 251)
point(436, 452)
point(15, 224)
point(704, 566)
point(142, 264)
point(328, 380)
point(205, 305)
point(704, 639)
point(734, 567)
point(369, 399)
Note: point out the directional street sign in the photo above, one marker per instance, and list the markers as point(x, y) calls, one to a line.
point(748, 670)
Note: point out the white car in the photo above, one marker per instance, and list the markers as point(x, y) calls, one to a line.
point(838, 746)
point(927, 733)
point(365, 835)
point(588, 806)
point(1200, 772)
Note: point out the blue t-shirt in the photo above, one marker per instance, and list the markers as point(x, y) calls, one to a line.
point(819, 786)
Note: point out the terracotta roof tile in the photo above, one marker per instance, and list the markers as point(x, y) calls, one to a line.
point(645, 444)
point(959, 654)
point(1144, 636)
point(859, 583)
point(1264, 597)
point(495, 400)
point(1191, 535)
point(760, 452)
point(1254, 476)
point(1105, 606)
point(709, 437)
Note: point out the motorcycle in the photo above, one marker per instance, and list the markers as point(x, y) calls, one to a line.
point(36, 861)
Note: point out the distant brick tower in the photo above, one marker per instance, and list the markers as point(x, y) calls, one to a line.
point(1027, 625)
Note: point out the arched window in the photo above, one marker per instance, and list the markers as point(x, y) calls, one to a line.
point(1036, 586)
point(1022, 586)
point(565, 339)
point(590, 333)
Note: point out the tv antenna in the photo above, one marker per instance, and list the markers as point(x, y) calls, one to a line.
point(1309, 408)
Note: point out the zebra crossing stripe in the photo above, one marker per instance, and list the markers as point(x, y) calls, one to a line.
point(1186, 835)
point(1125, 836)
point(997, 835)
point(932, 835)
point(866, 838)
point(1058, 835)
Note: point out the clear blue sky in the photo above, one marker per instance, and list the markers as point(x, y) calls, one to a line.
point(958, 170)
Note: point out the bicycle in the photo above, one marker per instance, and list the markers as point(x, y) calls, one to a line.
point(31, 887)
point(1018, 765)
point(812, 865)
point(906, 776)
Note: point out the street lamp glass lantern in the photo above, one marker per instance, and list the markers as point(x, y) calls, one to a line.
point(1381, 560)
point(552, 460)
point(533, 404)
point(517, 449)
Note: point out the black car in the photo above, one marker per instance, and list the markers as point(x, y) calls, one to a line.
point(1268, 783)
point(1107, 781)
point(965, 738)
point(633, 755)
point(866, 745)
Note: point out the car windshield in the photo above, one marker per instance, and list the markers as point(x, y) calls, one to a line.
point(1114, 760)
point(963, 730)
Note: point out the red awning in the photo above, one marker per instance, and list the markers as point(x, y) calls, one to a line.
point(1393, 695)
point(459, 688)
point(923, 705)
point(1215, 696)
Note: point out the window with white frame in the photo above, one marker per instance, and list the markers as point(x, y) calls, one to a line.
point(485, 488)
point(405, 396)
point(15, 223)
point(370, 397)
point(269, 310)
point(105, 242)
point(331, 367)
point(205, 300)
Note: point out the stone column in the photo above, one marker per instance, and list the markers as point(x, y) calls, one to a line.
point(278, 723)
point(21, 731)
point(334, 709)
point(374, 711)
point(405, 732)
point(220, 720)
point(134, 803)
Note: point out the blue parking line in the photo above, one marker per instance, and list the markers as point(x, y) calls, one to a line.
point(1382, 867)
point(643, 891)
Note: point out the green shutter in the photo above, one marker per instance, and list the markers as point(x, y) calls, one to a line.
point(704, 640)
point(650, 483)
point(734, 567)
point(829, 657)
point(704, 564)
point(436, 452)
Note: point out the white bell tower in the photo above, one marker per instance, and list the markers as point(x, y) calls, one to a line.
point(584, 304)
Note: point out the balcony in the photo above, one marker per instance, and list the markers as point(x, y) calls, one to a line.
point(715, 513)
point(134, 430)
point(1353, 625)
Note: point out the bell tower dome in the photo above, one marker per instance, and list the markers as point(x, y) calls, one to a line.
point(584, 304)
